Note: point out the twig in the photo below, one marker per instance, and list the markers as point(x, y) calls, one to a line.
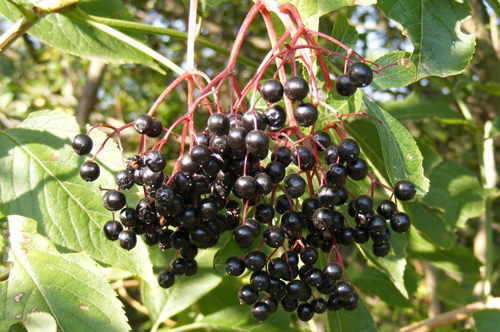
point(453, 316)
point(17, 30)
point(193, 6)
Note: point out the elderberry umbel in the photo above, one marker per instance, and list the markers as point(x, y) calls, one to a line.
point(271, 180)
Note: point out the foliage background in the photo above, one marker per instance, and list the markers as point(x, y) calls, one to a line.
point(452, 260)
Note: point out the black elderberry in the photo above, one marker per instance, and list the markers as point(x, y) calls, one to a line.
point(199, 235)
point(360, 74)
point(260, 311)
point(336, 174)
point(254, 225)
point(358, 169)
point(386, 209)
point(245, 186)
point(259, 280)
point(309, 255)
point(361, 235)
point(202, 138)
point(289, 304)
point(257, 143)
point(323, 219)
point(127, 239)
point(218, 124)
point(82, 144)
point(114, 200)
point(346, 236)
point(207, 208)
point(319, 305)
point(350, 304)
point(272, 91)
point(328, 195)
point(125, 180)
point(303, 155)
point(156, 130)
point(315, 277)
point(178, 266)
point(189, 252)
point(243, 236)
point(192, 268)
point(274, 236)
point(344, 86)
point(276, 171)
point(236, 138)
point(166, 279)
point(234, 266)
point(333, 303)
point(310, 205)
point(143, 124)
point(322, 140)
point(200, 154)
point(291, 222)
point(400, 222)
point(381, 249)
point(247, 295)
point(272, 303)
point(180, 239)
point(277, 267)
point(294, 186)
point(305, 311)
point(305, 114)
point(363, 204)
point(112, 229)
point(156, 160)
point(348, 150)
point(283, 155)
point(89, 171)
point(343, 290)
point(296, 88)
point(404, 190)
point(296, 289)
point(129, 217)
point(331, 156)
point(276, 116)
point(263, 184)
point(254, 120)
point(333, 271)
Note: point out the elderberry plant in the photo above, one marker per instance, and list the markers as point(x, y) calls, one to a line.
point(271, 176)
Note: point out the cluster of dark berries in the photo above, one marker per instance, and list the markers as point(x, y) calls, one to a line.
point(237, 177)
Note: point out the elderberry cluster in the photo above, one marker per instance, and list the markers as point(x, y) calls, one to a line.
point(240, 162)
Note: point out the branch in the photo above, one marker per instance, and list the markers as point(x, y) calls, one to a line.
point(88, 97)
point(17, 30)
point(453, 316)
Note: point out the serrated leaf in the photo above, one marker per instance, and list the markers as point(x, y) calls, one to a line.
point(374, 282)
point(487, 320)
point(430, 223)
point(40, 322)
point(457, 259)
point(186, 290)
point(312, 10)
point(415, 107)
point(457, 191)
point(344, 33)
point(401, 155)
point(392, 265)
point(64, 285)
point(40, 180)
point(343, 105)
point(83, 40)
point(359, 320)
point(402, 74)
point(239, 319)
point(433, 27)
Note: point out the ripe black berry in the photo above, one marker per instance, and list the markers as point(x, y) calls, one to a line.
point(404, 190)
point(166, 279)
point(363, 204)
point(276, 171)
point(178, 266)
point(257, 143)
point(386, 208)
point(333, 271)
point(156, 160)
point(114, 200)
point(309, 255)
point(343, 290)
point(260, 311)
point(218, 124)
point(351, 304)
point(275, 115)
point(157, 129)
point(89, 171)
point(143, 124)
point(323, 219)
point(125, 180)
point(112, 229)
point(247, 295)
point(344, 86)
point(200, 154)
point(348, 150)
point(319, 305)
point(381, 249)
point(243, 236)
point(305, 312)
point(82, 144)
point(323, 139)
point(305, 114)
point(254, 120)
point(336, 174)
point(271, 91)
point(236, 138)
point(294, 185)
point(127, 239)
point(245, 186)
point(289, 304)
point(283, 155)
point(296, 88)
point(305, 156)
point(357, 169)
point(400, 222)
point(274, 236)
point(259, 280)
point(360, 74)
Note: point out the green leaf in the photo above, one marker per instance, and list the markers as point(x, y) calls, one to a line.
point(456, 259)
point(359, 320)
point(238, 319)
point(344, 33)
point(374, 282)
point(401, 155)
point(393, 265)
point(343, 105)
point(487, 320)
point(431, 157)
point(495, 128)
point(433, 27)
point(491, 87)
point(40, 322)
point(457, 191)
point(430, 223)
point(495, 4)
point(83, 40)
point(40, 180)
point(415, 108)
point(312, 10)
point(64, 285)
point(402, 74)
point(185, 291)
